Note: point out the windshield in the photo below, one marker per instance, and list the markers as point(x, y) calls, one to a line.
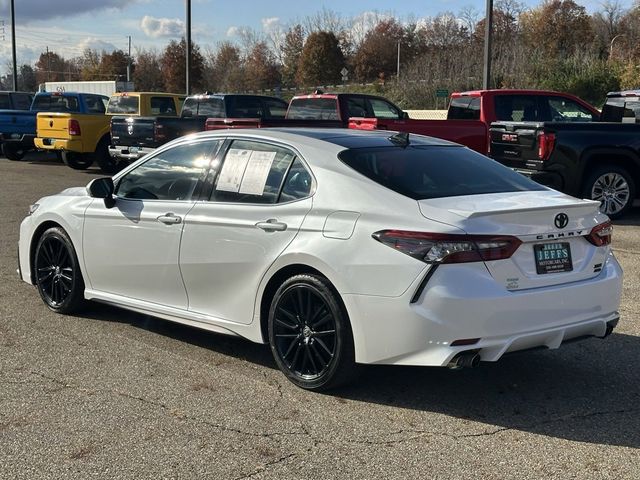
point(123, 104)
point(422, 172)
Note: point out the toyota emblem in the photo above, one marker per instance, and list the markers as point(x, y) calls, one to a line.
point(561, 220)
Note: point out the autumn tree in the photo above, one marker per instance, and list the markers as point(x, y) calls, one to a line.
point(90, 65)
point(377, 55)
point(321, 60)
point(227, 69)
point(173, 61)
point(261, 69)
point(51, 67)
point(113, 65)
point(291, 51)
point(27, 79)
point(147, 76)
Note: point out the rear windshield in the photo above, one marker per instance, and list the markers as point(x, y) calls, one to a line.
point(314, 109)
point(422, 172)
point(203, 107)
point(464, 108)
point(55, 103)
point(621, 109)
point(123, 104)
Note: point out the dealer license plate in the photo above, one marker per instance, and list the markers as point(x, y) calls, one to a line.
point(553, 257)
point(133, 149)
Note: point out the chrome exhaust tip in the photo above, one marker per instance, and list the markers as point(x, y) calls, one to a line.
point(464, 360)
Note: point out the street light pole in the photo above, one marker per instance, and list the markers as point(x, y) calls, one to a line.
point(398, 68)
point(488, 27)
point(188, 48)
point(13, 46)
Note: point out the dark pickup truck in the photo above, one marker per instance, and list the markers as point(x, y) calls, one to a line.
point(133, 137)
point(598, 160)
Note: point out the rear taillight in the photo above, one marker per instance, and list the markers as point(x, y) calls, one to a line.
point(158, 132)
point(445, 248)
point(546, 143)
point(600, 235)
point(74, 127)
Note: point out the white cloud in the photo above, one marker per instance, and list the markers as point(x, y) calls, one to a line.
point(270, 24)
point(97, 44)
point(233, 31)
point(162, 27)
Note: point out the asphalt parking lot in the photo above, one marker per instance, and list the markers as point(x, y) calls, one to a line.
point(114, 394)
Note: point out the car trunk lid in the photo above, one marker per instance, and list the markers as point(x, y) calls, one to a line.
point(553, 228)
point(53, 125)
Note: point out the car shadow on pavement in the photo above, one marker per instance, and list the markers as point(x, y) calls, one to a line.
point(632, 217)
point(587, 391)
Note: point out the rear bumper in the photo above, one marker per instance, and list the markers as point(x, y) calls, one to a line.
point(22, 139)
point(59, 144)
point(129, 153)
point(464, 302)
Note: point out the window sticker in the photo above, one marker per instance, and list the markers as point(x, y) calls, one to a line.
point(233, 170)
point(256, 173)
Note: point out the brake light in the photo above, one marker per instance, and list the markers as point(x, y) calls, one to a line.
point(546, 144)
point(158, 132)
point(449, 248)
point(600, 235)
point(74, 127)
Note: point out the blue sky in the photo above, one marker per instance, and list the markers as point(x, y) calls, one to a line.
point(69, 26)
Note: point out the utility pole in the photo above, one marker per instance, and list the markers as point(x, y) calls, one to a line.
point(13, 47)
point(48, 64)
point(488, 27)
point(188, 49)
point(398, 67)
point(129, 62)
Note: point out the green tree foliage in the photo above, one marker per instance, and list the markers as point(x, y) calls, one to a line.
point(321, 60)
point(173, 64)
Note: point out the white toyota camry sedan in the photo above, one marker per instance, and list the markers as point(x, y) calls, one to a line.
point(335, 247)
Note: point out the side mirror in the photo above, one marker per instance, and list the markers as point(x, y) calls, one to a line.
point(102, 188)
point(405, 115)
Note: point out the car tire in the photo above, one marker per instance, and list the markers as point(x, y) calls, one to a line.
point(310, 333)
point(613, 187)
point(105, 161)
point(13, 151)
point(57, 272)
point(77, 160)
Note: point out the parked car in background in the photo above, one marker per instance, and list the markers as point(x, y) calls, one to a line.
point(333, 246)
point(142, 104)
point(470, 115)
point(15, 100)
point(18, 127)
point(80, 133)
point(597, 160)
point(133, 137)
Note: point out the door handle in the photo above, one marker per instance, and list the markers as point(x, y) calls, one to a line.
point(272, 225)
point(169, 218)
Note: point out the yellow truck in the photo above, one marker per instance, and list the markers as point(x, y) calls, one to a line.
point(81, 134)
point(84, 137)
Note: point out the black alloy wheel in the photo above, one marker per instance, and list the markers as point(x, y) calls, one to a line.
point(57, 273)
point(310, 335)
point(77, 160)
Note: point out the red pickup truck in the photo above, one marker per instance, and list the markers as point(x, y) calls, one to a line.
point(468, 120)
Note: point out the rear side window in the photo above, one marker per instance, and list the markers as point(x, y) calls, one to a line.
point(21, 101)
point(464, 108)
point(123, 104)
point(4, 101)
point(314, 109)
point(94, 104)
point(275, 108)
point(162, 106)
point(518, 108)
point(422, 172)
point(247, 107)
point(253, 172)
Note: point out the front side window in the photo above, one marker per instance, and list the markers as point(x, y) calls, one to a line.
point(422, 172)
point(252, 172)
point(175, 174)
point(382, 109)
point(565, 110)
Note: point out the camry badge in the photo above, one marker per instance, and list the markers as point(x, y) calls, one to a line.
point(561, 220)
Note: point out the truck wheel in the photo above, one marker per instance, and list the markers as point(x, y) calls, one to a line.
point(613, 187)
point(13, 151)
point(76, 160)
point(106, 162)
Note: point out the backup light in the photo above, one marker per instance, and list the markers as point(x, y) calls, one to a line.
point(449, 248)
